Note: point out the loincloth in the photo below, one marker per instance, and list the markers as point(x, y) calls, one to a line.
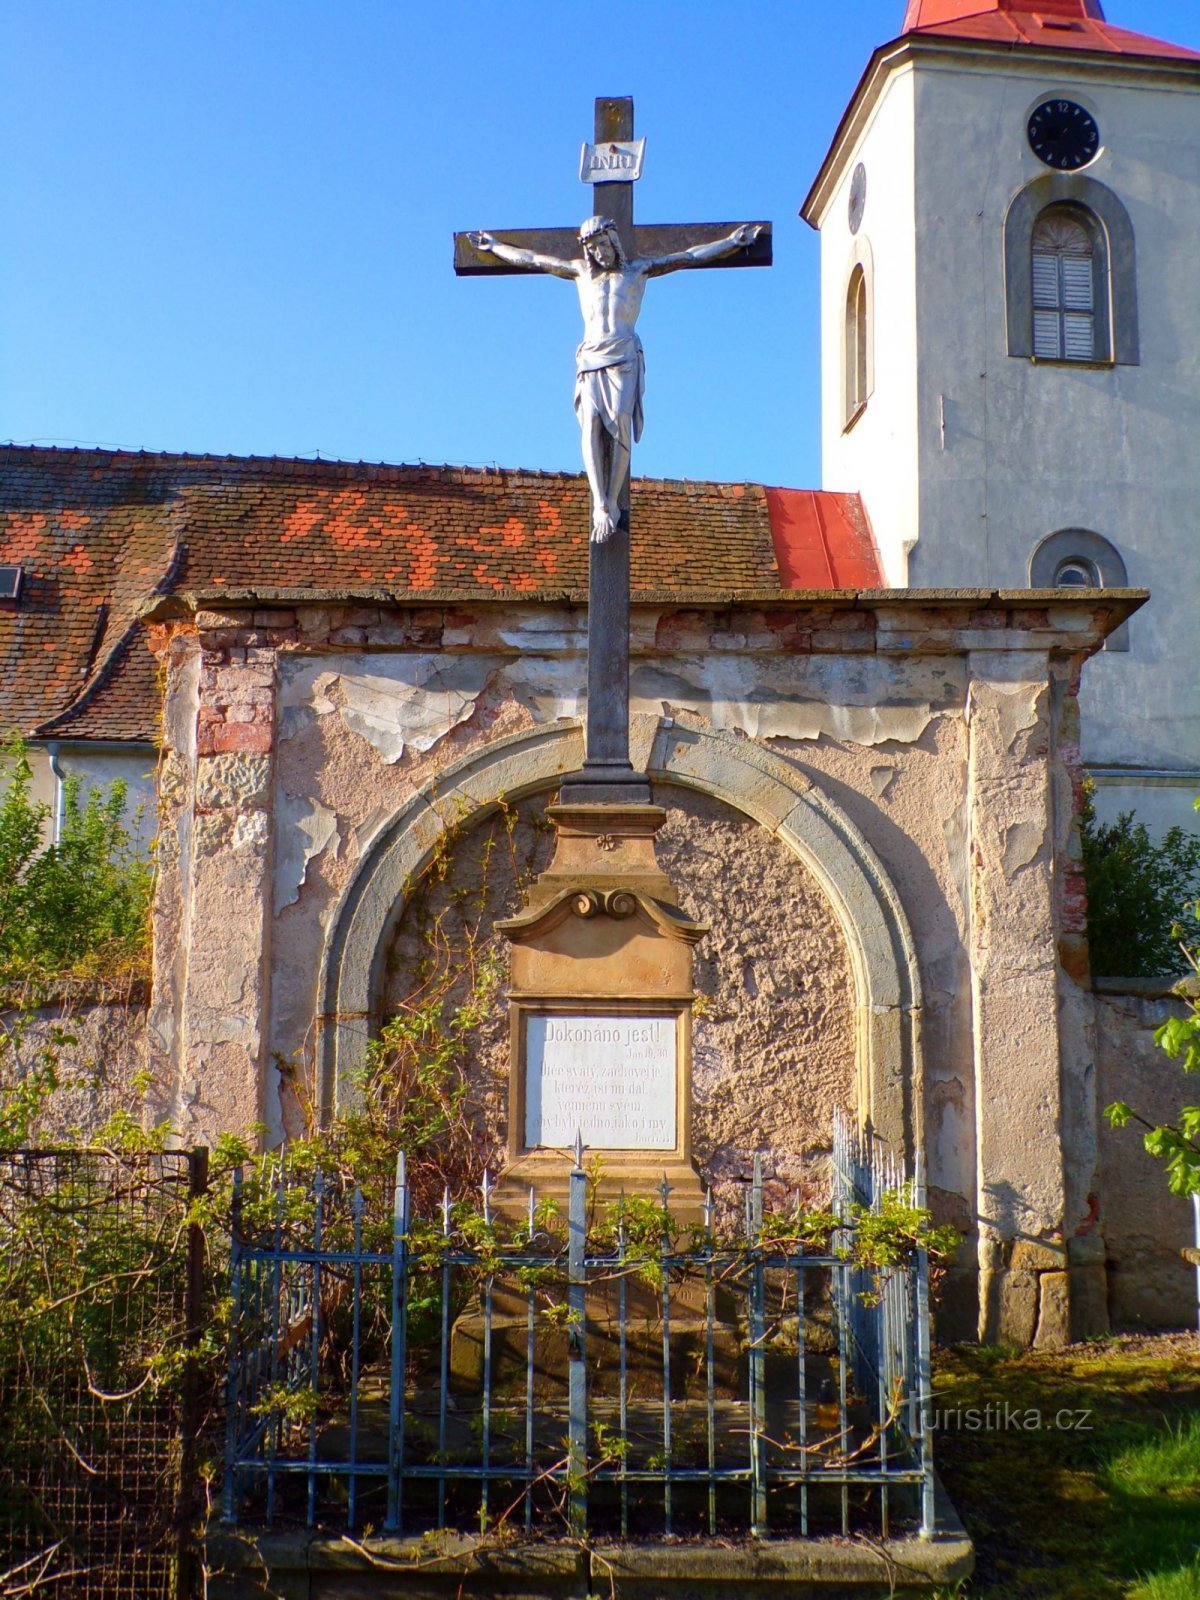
point(610, 375)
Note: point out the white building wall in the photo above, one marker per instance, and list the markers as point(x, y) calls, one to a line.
point(98, 766)
point(877, 454)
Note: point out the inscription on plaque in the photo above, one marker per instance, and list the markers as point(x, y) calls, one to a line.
point(610, 1078)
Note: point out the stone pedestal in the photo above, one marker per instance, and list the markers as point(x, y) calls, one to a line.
point(601, 1002)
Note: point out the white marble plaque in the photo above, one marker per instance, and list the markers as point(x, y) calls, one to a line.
point(610, 1078)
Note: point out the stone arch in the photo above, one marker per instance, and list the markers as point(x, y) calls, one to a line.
point(752, 780)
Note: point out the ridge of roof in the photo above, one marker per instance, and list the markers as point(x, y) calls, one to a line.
point(1054, 24)
point(327, 466)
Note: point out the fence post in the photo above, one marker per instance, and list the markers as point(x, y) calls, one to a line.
point(232, 1386)
point(924, 1365)
point(576, 1365)
point(400, 1210)
point(189, 1400)
point(758, 1365)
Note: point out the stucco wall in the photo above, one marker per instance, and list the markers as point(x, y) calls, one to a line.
point(877, 455)
point(99, 1052)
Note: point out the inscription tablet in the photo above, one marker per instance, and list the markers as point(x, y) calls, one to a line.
point(610, 1078)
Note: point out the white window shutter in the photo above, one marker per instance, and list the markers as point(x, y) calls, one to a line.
point(1045, 335)
point(1077, 283)
point(1045, 280)
point(1078, 336)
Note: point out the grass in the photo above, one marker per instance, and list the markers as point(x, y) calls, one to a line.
point(1082, 1480)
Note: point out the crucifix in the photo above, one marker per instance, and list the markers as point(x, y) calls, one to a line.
point(610, 261)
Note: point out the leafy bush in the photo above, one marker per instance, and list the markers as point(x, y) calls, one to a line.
point(76, 908)
point(1176, 1144)
point(1137, 890)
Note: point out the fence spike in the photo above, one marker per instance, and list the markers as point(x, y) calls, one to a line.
point(579, 1149)
point(446, 1211)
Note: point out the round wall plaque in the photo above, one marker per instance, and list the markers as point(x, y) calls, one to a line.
point(858, 196)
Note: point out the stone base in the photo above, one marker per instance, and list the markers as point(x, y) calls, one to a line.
point(619, 1172)
point(643, 1340)
point(1044, 1294)
point(306, 1566)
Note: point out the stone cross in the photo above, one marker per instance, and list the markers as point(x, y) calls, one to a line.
point(610, 273)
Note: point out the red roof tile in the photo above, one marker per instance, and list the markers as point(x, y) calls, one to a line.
point(1054, 24)
point(99, 531)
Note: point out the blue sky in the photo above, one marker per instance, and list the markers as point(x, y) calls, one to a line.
point(227, 226)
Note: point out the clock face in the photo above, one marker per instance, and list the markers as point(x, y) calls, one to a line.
point(858, 196)
point(1063, 135)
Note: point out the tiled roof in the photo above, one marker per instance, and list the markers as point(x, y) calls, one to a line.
point(1054, 24)
point(97, 532)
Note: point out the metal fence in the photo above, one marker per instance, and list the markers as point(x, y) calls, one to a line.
point(100, 1298)
point(624, 1372)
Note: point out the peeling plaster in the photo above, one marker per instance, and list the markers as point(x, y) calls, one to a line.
point(1023, 843)
point(412, 701)
point(882, 779)
point(304, 828)
point(955, 828)
point(394, 702)
point(548, 687)
point(767, 699)
point(1007, 690)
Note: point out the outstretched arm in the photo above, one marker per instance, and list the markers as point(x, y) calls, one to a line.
point(523, 258)
point(740, 239)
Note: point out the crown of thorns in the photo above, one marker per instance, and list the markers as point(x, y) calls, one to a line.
point(595, 225)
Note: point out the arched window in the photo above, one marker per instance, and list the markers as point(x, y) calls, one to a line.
point(1063, 273)
point(857, 380)
point(1077, 558)
point(1070, 273)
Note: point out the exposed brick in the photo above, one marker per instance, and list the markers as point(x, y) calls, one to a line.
point(250, 737)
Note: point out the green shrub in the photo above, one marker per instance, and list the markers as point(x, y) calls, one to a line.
point(1137, 890)
point(76, 908)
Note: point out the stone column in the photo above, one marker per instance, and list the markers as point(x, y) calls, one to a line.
point(1082, 1113)
point(212, 911)
point(1014, 984)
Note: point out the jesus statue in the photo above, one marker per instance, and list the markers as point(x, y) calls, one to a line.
point(610, 369)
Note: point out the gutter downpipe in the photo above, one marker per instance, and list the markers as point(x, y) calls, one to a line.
point(53, 750)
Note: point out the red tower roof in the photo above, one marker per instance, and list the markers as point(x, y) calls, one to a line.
point(1057, 24)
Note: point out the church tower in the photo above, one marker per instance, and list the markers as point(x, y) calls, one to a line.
point(1010, 230)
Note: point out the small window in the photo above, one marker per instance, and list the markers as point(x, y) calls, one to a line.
point(1076, 574)
point(1079, 558)
point(1064, 288)
point(858, 344)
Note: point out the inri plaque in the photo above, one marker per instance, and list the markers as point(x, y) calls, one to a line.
point(610, 1078)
